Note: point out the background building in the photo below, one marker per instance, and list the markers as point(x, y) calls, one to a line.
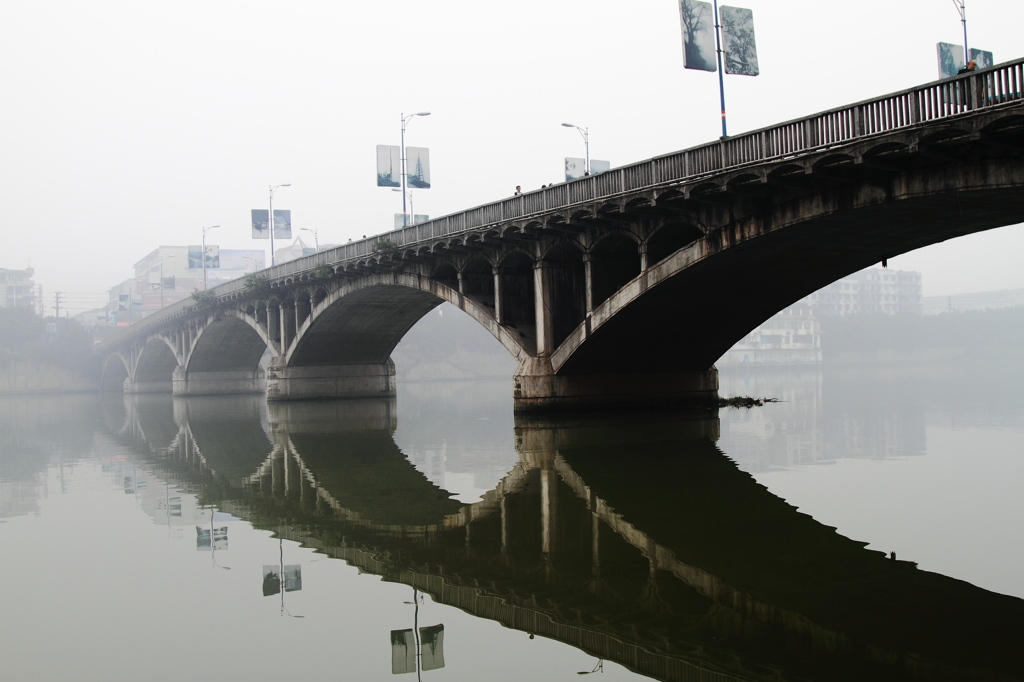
point(167, 275)
point(793, 336)
point(17, 288)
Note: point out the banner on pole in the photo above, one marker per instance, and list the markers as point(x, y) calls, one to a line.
point(282, 224)
point(417, 167)
point(389, 166)
point(698, 23)
point(260, 223)
point(738, 45)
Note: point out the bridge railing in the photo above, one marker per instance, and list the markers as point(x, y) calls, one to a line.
point(948, 98)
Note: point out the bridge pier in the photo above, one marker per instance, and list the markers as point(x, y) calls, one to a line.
point(321, 382)
point(538, 388)
point(138, 387)
point(217, 383)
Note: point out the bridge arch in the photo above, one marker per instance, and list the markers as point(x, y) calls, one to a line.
point(728, 233)
point(114, 373)
point(154, 366)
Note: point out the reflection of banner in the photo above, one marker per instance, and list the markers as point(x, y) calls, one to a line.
point(403, 652)
point(417, 167)
point(260, 223)
point(282, 224)
point(403, 649)
point(432, 647)
point(698, 20)
point(219, 538)
point(389, 166)
point(738, 45)
point(272, 578)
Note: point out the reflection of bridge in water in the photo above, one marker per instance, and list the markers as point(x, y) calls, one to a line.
point(669, 561)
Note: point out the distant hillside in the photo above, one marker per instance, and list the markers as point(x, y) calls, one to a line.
point(448, 344)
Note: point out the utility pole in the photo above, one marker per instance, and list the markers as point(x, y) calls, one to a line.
point(56, 303)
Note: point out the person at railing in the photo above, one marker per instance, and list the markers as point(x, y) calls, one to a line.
point(971, 66)
point(519, 190)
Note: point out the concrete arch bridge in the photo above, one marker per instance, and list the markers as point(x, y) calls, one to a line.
point(623, 287)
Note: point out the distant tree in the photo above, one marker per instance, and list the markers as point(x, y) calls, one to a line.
point(20, 328)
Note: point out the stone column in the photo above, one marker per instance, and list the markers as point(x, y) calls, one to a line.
point(542, 308)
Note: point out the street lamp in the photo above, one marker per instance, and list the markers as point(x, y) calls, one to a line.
point(405, 121)
point(271, 218)
point(585, 132)
point(412, 207)
point(316, 238)
point(161, 256)
point(205, 230)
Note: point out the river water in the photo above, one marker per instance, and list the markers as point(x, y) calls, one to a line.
point(439, 536)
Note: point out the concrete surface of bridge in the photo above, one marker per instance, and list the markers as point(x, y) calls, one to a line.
point(620, 288)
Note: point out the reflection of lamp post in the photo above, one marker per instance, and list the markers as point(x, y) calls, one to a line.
point(585, 132)
point(405, 120)
point(599, 668)
point(271, 219)
point(205, 230)
point(316, 238)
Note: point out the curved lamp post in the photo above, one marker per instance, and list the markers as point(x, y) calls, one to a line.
point(316, 238)
point(271, 219)
point(405, 121)
point(586, 143)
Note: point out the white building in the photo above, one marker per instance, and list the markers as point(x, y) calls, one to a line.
point(793, 336)
point(17, 288)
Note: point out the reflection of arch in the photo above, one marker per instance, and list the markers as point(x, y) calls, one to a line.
point(638, 541)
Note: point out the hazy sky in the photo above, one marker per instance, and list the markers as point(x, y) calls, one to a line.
point(130, 125)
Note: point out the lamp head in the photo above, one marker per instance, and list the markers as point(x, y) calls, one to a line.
point(569, 125)
point(422, 113)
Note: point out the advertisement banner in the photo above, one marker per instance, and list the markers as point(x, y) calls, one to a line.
point(195, 260)
point(282, 224)
point(698, 23)
point(260, 223)
point(417, 167)
point(413, 219)
point(577, 168)
point(389, 166)
point(738, 45)
point(983, 57)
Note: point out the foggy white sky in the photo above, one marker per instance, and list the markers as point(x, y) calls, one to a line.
point(130, 125)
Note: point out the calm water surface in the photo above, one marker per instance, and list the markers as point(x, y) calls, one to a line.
point(147, 537)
